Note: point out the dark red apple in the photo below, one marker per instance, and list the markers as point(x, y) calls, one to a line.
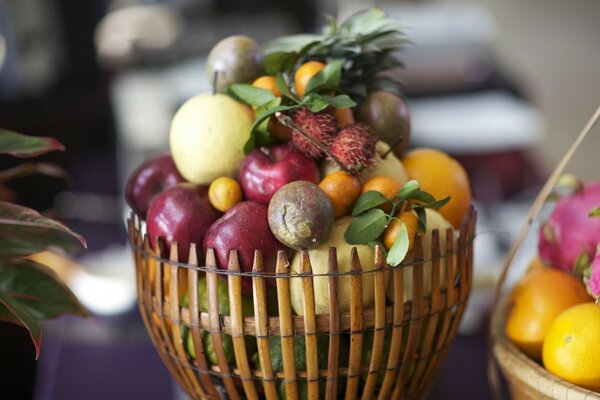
point(268, 168)
point(183, 214)
point(244, 227)
point(150, 179)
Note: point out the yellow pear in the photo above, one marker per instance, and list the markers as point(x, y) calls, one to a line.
point(319, 261)
point(434, 221)
point(389, 166)
point(207, 137)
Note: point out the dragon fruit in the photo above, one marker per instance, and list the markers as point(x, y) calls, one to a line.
point(570, 235)
point(591, 276)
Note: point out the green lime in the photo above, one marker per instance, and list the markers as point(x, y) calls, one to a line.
point(222, 298)
point(209, 348)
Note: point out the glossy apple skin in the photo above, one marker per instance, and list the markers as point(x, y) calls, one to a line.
point(183, 214)
point(245, 228)
point(268, 168)
point(148, 180)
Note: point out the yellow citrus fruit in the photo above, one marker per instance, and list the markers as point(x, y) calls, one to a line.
point(441, 175)
point(572, 346)
point(224, 193)
point(303, 75)
point(267, 82)
point(535, 302)
point(408, 218)
point(342, 189)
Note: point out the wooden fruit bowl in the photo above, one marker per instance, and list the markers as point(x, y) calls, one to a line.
point(422, 329)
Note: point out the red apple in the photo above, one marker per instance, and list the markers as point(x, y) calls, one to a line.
point(150, 179)
point(268, 168)
point(244, 227)
point(182, 214)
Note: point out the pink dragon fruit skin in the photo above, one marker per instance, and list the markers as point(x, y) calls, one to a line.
point(593, 282)
point(570, 230)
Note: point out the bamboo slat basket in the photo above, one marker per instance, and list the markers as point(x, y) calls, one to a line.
point(418, 332)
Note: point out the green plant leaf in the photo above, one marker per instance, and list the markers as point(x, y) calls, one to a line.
point(408, 189)
point(329, 76)
point(366, 228)
point(32, 292)
point(279, 61)
point(24, 146)
point(13, 311)
point(24, 231)
point(422, 217)
point(399, 249)
point(436, 204)
point(368, 200)
point(316, 103)
point(595, 212)
point(291, 43)
point(250, 94)
point(340, 101)
point(283, 87)
point(33, 168)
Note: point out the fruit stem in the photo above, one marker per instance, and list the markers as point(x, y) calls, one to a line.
point(398, 140)
point(287, 121)
point(214, 82)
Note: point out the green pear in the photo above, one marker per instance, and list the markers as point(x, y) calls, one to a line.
point(434, 221)
point(319, 261)
point(207, 137)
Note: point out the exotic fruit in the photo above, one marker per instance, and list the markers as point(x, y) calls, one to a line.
point(591, 277)
point(320, 126)
point(354, 147)
point(570, 235)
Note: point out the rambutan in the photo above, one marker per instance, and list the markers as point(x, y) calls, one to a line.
point(354, 147)
point(320, 126)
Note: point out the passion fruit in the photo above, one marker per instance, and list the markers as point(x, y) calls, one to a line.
point(301, 215)
point(236, 59)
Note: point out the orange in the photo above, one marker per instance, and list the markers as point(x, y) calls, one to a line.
point(267, 82)
point(385, 185)
point(224, 193)
point(343, 190)
point(535, 302)
point(408, 218)
point(344, 117)
point(441, 175)
point(571, 349)
point(303, 75)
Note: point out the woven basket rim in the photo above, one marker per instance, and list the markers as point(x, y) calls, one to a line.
point(517, 366)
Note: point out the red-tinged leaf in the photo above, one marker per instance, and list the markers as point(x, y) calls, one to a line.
point(37, 288)
point(24, 146)
point(24, 231)
point(33, 168)
point(12, 311)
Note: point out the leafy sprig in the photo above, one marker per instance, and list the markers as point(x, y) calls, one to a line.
point(371, 221)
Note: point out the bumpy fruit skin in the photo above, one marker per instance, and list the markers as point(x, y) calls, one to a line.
point(244, 228)
point(301, 215)
point(389, 115)
point(150, 179)
point(266, 169)
point(182, 214)
point(238, 59)
point(355, 147)
point(320, 126)
point(207, 137)
point(570, 231)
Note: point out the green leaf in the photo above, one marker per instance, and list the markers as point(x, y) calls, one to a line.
point(436, 204)
point(340, 101)
point(595, 212)
point(366, 227)
point(368, 200)
point(421, 196)
point(291, 43)
point(24, 231)
point(329, 76)
point(33, 168)
point(316, 103)
point(408, 189)
point(422, 217)
point(12, 311)
point(279, 61)
point(32, 292)
point(24, 146)
point(250, 94)
point(283, 87)
point(399, 249)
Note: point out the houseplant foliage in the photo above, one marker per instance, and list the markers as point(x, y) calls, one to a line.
point(29, 291)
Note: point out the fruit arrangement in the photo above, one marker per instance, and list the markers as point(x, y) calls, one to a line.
point(300, 149)
point(553, 313)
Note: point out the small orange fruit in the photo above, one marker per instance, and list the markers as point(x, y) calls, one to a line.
point(303, 75)
point(224, 193)
point(535, 302)
point(408, 218)
point(441, 176)
point(571, 349)
point(267, 82)
point(342, 189)
point(344, 117)
point(385, 185)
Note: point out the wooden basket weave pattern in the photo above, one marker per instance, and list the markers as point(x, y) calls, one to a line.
point(422, 329)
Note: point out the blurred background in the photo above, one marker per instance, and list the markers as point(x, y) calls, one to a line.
point(504, 86)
